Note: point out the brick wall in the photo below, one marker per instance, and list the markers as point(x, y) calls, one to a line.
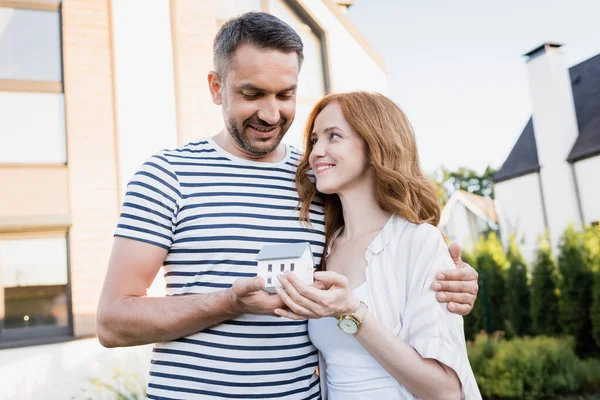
point(91, 151)
point(29, 191)
point(194, 25)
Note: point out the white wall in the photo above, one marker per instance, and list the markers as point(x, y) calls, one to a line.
point(519, 208)
point(351, 67)
point(589, 187)
point(63, 371)
point(555, 127)
point(459, 229)
point(144, 82)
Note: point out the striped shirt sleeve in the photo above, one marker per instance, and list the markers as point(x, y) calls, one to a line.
point(432, 330)
point(151, 203)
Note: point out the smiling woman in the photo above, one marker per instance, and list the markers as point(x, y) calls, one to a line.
point(382, 254)
point(374, 121)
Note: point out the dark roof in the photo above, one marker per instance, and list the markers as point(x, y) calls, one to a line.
point(542, 49)
point(281, 251)
point(585, 78)
point(585, 81)
point(523, 158)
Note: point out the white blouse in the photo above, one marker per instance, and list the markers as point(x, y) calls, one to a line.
point(402, 262)
point(352, 372)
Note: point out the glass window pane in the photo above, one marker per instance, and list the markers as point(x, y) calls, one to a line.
point(33, 128)
point(34, 279)
point(30, 45)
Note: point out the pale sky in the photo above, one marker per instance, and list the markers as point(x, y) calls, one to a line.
point(456, 67)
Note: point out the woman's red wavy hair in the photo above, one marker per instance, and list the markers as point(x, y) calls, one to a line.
point(402, 188)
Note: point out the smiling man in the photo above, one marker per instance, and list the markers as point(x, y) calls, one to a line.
point(203, 211)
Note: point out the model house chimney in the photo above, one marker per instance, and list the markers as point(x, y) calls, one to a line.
point(555, 127)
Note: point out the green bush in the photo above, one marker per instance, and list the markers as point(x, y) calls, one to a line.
point(592, 254)
point(544, 293)
point(517, 302)
point(575, 284)
point(530, 368)
point(491, 265)
point(595, 308)
point(592, 375)
point(473, 322)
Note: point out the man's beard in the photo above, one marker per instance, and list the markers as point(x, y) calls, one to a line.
point(246, 144)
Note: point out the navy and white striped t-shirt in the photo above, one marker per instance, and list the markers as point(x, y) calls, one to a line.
point(214, 212)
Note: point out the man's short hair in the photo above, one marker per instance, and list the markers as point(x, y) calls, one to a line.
point(259, 29)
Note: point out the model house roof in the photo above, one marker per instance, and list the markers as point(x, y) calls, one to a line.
point(482, 207)
point(585, 81)
point(282, 251)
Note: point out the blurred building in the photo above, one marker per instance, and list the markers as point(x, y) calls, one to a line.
point(550, 178)
point(88, 90)
point(466, 216)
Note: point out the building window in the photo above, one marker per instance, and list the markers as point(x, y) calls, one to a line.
point(282, 267)
point(34, 288)
point(31, 84)
point(269, 280)
point(292, 267)
point(313, 81)
point(270, 268)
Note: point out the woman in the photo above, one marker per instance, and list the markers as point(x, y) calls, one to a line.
point(390, 338)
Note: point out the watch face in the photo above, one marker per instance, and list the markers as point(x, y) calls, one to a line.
point(348, 325)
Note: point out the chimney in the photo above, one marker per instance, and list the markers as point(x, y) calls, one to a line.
point(555, 127)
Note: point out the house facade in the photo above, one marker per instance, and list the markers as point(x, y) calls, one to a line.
point(88, 90)
point(550, 178)
point(274, 260)
point(467, 216)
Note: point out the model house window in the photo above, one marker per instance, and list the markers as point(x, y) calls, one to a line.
point(34, 288)
point(270, 268)
point(292, 267)
point(269, 280)
point(282, 267)
point(31, 84)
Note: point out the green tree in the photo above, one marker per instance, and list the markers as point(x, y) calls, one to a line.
point(575, 285)
point(473, 322)
point(592, 252)
point(595, 307)
point(491, 265)
point(518, 306)
point(470, 181)
point(544, 293)
point(466, 179)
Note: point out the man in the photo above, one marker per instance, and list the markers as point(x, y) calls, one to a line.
point(204, 211)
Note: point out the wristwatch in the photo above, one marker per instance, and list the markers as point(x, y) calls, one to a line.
point(351, 323)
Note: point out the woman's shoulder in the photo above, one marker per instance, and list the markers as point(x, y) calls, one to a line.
point(419, 235)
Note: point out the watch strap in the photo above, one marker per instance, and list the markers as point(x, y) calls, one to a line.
point(360, 312)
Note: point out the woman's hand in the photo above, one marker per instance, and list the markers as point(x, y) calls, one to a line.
point(311, 301)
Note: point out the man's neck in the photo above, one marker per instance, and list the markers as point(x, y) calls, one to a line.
point(226, 142)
